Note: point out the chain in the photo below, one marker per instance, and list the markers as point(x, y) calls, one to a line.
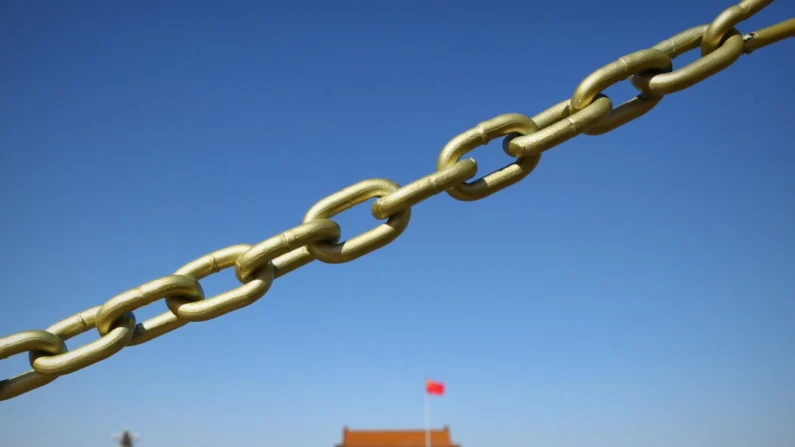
point(588, 111)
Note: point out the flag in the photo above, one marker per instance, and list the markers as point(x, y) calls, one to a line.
point(432, 387)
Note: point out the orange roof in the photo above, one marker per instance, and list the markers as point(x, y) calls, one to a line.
point(395, 438)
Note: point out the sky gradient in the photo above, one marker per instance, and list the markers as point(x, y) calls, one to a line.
point(634, 289)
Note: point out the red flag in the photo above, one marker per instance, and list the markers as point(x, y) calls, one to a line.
point(432, 387)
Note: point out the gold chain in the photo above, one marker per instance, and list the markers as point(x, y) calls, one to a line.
point(588, 111)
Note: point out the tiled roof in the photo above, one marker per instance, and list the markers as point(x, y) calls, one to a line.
point(395, 438)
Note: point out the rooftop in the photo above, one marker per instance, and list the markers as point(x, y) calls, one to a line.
point(395, 438)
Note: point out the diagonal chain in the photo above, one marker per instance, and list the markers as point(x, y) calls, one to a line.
point(588, 111)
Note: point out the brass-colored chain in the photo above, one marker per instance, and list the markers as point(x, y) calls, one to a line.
point(587, 111)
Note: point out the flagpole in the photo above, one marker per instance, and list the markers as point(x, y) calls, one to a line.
point(427, 420)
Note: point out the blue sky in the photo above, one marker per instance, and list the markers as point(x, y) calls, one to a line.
point(635, 289)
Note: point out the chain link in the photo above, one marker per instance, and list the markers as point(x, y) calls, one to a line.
point(587, 111)
point(335, 253)
point(117, 337)
point(255, 285)
point(725, 22)
point(28, 341)
point(509, 125)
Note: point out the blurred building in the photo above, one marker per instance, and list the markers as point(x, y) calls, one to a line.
point(395, 438)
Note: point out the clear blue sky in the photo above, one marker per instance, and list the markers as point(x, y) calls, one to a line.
point(635, 289)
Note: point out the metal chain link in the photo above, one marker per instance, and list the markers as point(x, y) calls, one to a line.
point(588, 111)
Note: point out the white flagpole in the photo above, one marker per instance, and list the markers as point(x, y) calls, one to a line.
point(427, 420)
